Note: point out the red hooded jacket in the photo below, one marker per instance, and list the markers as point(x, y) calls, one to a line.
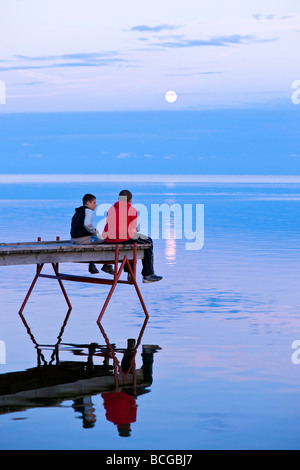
point(121, 223)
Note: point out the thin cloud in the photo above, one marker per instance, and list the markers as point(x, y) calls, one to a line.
point(169, 157)
point(27, 84)
point(154, 29)
point(190, 74)
point(124, 155)
point(90, 56)
point(220, 41)
point(259, 17)
point(21, 62)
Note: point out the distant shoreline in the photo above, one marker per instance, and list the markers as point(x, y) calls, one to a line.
point(113, 178)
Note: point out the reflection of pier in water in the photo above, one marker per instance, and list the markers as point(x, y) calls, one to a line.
point(50, 383)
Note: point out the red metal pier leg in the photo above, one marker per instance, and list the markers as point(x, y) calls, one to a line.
point(137, 289)
point(116, 278)
point(132, 271)
point(39, 268)
point(116, 262)
point(55, 268)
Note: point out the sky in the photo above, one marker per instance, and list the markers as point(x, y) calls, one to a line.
point(94, 55)
point(83, 84)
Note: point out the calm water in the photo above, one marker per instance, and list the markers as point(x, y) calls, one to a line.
point(222, 323)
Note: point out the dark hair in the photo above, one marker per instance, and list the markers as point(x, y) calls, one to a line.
point(88, 198)
point(125, 194)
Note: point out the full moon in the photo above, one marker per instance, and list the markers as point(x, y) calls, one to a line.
point(171, 96)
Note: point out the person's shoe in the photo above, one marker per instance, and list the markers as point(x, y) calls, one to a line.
point(129, 278)
point(152, 278)
point(93, 269)
point(108, 269)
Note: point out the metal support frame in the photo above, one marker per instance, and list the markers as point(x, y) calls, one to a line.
point(131, 265)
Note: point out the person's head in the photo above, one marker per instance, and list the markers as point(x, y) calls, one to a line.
point(125, 195)
point(89, 201)
point(124, 430)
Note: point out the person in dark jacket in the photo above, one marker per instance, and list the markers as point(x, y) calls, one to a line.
point(82, 229)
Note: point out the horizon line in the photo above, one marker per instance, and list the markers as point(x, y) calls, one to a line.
point(225, 107)
point(144, 178)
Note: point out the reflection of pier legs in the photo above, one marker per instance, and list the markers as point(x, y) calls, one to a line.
point(130, 361)
point(38, 347)
point(120, 404)
point(82, 378)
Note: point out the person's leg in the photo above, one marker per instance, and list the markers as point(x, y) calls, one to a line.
point(148, 260)
point(86, 241)
point(107, 268)
point(82, 240)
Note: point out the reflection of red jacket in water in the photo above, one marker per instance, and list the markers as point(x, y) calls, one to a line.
point(120, 407)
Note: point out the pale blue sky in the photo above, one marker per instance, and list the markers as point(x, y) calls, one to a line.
point(95, 55)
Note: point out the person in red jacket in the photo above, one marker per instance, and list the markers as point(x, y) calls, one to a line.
point(121, 227)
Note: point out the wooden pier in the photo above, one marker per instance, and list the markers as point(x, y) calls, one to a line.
point(56, 252)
